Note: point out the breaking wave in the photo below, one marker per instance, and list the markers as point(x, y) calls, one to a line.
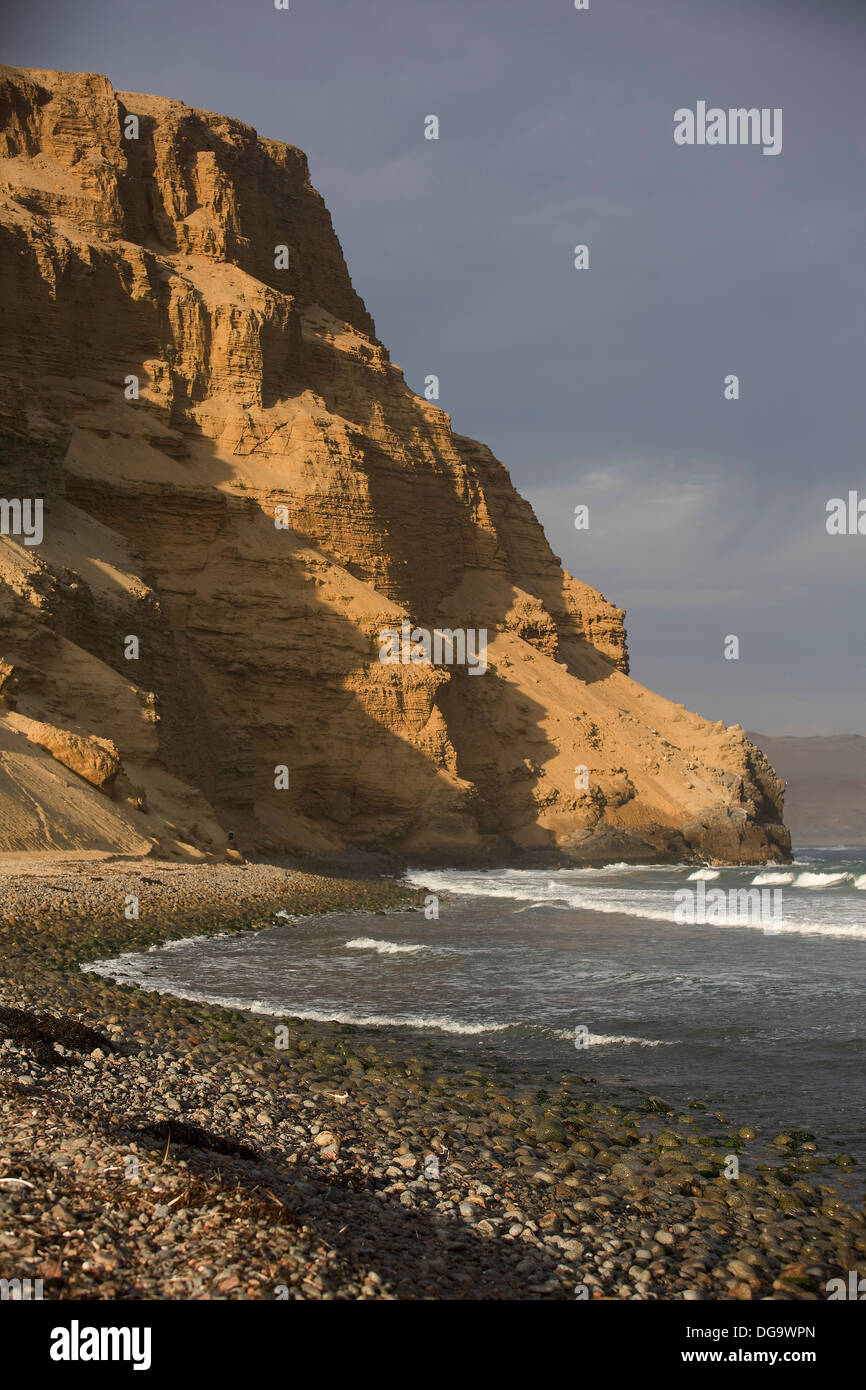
point(610, 1039)
point(392, 948)
point(821, 880)
point(567, 890)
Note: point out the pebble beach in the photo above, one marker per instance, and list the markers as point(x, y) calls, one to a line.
point(159, 1148)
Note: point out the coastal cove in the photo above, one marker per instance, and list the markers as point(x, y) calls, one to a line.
point(318, 1168)
point(548, 975)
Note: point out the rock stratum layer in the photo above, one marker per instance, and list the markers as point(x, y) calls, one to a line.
point(265, 396)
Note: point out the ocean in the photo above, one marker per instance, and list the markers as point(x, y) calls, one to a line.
point(647, 978)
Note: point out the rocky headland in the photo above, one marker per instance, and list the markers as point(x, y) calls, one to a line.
point(239, 493)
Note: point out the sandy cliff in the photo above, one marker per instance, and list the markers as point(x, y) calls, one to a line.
point(265, 397)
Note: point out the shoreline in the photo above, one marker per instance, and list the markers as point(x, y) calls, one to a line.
point(186, 1155)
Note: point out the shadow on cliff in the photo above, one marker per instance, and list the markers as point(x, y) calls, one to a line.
point(249, 675)
point(253, 668)
point(423, 577)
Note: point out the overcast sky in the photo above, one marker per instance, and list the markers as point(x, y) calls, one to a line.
point(603, 386)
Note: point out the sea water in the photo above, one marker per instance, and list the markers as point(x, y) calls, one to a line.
point(586, 972)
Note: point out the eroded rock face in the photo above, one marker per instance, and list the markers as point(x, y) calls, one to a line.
point(95, 760)
point(273, 499)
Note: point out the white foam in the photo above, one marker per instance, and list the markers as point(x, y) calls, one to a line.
point(610, 1039)
point(439, 1024)
point(772, 878)
point(821, 880)
point(133, 968)
point(705, 874)
point(835, 931)
point(561, 891)
point(383, 948)
point(622, 1040)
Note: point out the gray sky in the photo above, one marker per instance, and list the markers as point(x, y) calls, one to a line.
point(604, 386)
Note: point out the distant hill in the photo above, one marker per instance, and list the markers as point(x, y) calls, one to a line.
point(825, 803)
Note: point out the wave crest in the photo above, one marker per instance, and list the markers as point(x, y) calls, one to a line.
point(383, 948)
point(821, 880)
